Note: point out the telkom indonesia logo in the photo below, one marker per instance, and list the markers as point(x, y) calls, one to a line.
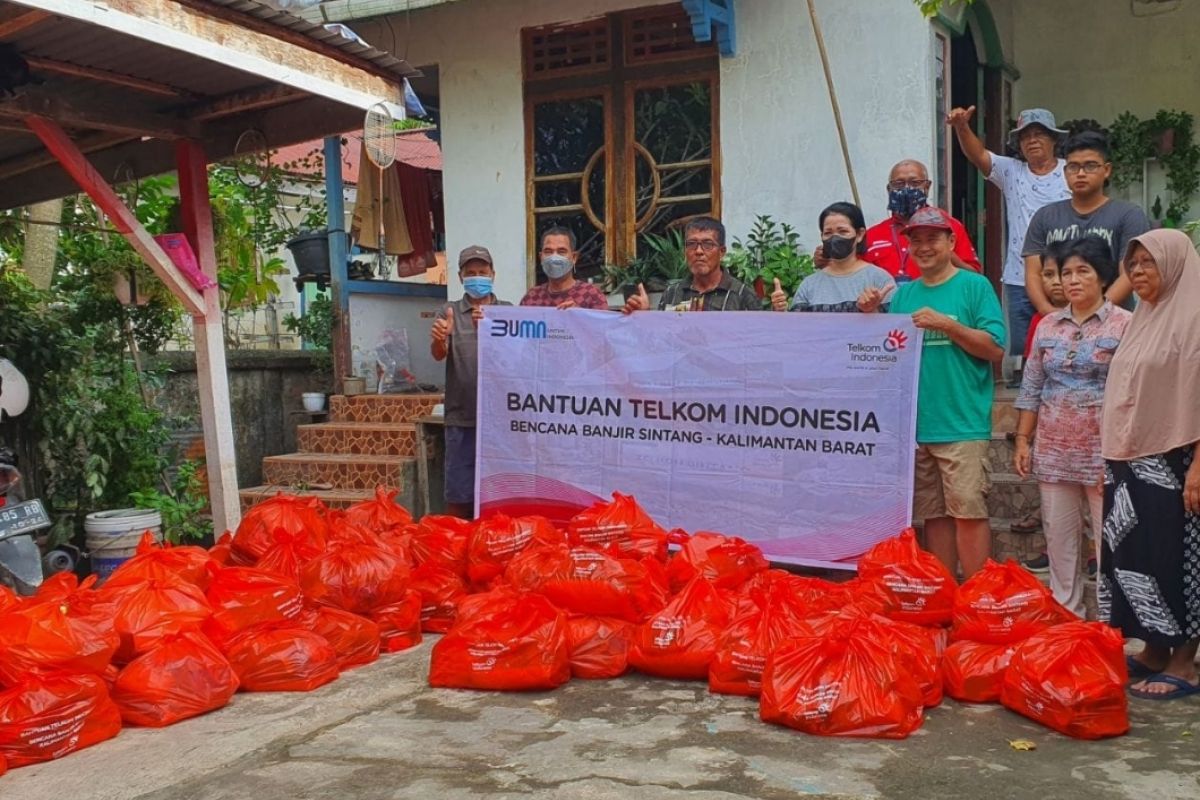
point(896, 340)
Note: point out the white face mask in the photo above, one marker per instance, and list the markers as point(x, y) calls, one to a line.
point(557, 266)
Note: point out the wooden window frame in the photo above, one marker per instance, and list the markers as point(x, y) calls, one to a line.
point(617, 83)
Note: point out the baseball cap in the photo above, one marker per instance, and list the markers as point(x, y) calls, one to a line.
point(474, 253)
point(1033, 116)
point(928, 217)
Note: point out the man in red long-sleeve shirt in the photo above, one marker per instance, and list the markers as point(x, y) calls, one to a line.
point(887, 246)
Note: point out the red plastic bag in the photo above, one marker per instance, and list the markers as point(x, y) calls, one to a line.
point(157, 561)
point(184, 676)
point(49, 716)
point(8, 599)
point(281, 657)
point(914, 585)
point(622, 527)
point(923, 646)
point(242, 597)
point(771, 617)
point(441, 589)
point(973, 672)
point(399, 623)
point(356, 578)
point(153, 609)
point(442, 539)
point(46, 637)
point(849, 682)
point(380, 513)
point(292, 514)
point(503, 641)
point(1071, 678)
point(679, 641)
point(288, 553)
point(222, 551)
point(1004, 603)
point(355, 639)
point(726, 561)
point(586, 581)
point(598, 646)
point(498, 539)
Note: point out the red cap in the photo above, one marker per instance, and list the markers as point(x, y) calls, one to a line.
point(928, 217)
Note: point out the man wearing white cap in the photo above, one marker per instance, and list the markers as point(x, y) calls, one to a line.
point(1028, 182)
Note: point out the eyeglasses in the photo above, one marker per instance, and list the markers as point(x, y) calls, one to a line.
point(1143, 264)
point(897, 185)
point(1090, 167)
point(704, 245)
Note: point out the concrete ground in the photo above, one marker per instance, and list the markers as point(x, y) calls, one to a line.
point(381, 733)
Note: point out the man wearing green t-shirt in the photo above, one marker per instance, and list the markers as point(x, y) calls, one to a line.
point(964, 336)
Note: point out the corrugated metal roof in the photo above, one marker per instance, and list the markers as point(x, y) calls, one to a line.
point(380, 58)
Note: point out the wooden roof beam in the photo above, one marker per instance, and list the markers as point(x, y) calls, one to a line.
point(101, 114)
point(200, 33)
point(14, 25)
point(103, 76)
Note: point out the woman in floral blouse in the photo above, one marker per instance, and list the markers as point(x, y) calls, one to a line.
point(1062, 393)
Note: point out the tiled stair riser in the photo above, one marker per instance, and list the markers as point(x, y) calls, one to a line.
point(372, 439)
point(387, 408)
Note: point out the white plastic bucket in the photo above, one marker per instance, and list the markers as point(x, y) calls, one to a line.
point(113, 536)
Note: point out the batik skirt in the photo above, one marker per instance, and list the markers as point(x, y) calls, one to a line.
point(1149, 585)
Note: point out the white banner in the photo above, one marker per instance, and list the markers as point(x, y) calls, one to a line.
point(793, 431)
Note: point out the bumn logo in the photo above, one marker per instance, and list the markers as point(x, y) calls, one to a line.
point(896, 340)
point(521, 329)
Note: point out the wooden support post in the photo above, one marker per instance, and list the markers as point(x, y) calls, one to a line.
point(80, 169)
point(338, 251)
point(219, 454)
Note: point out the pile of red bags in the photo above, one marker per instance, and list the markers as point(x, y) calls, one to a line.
point(300, 593)
point(285, 603)
point(998, 608)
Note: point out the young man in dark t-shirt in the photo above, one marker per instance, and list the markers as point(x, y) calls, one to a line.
point(1089, 212)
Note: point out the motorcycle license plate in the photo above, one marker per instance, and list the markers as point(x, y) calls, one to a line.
point(22, 518)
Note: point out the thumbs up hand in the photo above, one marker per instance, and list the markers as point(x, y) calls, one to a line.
point(443, 327)
point(779, 299)
point(637, 302)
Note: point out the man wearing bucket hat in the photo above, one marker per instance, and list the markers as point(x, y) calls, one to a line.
point(1031, 180)
point(455, 341)
point(963, 335)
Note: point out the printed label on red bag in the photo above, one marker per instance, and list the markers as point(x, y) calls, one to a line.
point(922, 589)
point(602, 534)
point(668, 630)
point(816, 702)
point(585, 563)
point(485, 654)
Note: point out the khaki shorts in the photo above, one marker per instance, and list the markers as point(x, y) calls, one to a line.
point(951, 480)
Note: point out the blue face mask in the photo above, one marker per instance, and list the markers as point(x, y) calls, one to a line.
point(478, 286)
point(906, 201)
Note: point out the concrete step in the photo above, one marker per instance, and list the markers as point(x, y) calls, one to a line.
point(359, 438)
point(385, 408)
point(345, 471)
point(334, 498)
point(1012, 497)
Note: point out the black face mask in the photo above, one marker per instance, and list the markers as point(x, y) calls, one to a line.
point(839, 247)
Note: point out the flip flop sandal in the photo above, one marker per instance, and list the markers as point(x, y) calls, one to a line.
point(1138, 670)
point(1182, 688)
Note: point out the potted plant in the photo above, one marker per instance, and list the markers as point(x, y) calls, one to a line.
point(771, 250)
point(1129, 145)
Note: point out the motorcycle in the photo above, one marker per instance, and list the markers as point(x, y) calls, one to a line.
point(21, 564)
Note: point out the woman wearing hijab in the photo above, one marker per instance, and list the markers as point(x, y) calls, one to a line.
point(1150, 440)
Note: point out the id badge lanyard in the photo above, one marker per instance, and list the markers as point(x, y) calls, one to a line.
point(902, 273)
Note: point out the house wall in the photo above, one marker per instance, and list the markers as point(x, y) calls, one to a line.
point(779, 145)
point(1108, 62)
point(779, 142)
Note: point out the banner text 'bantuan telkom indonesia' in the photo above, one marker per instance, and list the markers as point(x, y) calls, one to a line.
point(793, 431)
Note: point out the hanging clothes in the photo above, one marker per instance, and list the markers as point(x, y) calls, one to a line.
point(365, 226)
point(415, 194)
